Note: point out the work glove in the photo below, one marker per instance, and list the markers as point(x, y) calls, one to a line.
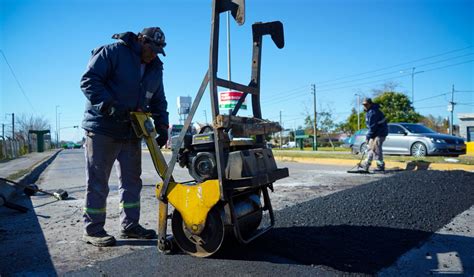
point(118, 113)
point(162, 137)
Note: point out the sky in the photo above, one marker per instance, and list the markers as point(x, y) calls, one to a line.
point(344, 47)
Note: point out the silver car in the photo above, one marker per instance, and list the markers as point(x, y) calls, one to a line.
point(416, 140)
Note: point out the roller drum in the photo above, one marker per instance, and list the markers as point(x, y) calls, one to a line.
point(248, 210)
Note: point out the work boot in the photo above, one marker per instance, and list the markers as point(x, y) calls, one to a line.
point(101, 239)
point(364, 166)
point(138, 232)
point(380, 168)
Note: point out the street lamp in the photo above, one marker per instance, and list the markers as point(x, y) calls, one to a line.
point(315, 129)
point(413, 84)
point(57, 129)
point(413, 73)
point(69, 127)
point(281, 126)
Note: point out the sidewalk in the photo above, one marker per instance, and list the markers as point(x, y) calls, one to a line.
point(23, 169)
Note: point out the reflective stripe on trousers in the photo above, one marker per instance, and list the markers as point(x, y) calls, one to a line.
point(101, 153)
point(124, 205)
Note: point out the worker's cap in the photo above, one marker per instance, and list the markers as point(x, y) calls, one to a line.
point(367, 101)
point(156, 38)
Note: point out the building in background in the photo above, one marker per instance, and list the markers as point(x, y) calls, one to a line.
point(466, 126)
point(466, 130)
point(184, 107)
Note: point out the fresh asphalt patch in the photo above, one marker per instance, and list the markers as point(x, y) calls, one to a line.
point(366, 228)
point(359, 230)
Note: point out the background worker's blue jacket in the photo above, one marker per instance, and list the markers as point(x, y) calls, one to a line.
point(376, 122)
point(113, 79)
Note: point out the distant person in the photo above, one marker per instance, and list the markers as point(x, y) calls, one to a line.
point(376, 134)
point(121, 77)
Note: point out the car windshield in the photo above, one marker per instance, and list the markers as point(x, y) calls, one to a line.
point(361, 132)
point(418, 129)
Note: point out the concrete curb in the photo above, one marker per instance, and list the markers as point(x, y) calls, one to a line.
point(8, 191)
point(388, 164)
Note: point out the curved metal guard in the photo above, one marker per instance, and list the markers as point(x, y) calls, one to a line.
point(236, 8)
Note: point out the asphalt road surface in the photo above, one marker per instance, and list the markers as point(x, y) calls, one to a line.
point(328, 222)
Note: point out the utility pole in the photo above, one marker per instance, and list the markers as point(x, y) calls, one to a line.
point(358, 111)
point(281, 125)
point(59, 127)
point(13, 125)
point(413, 85)
point(451, 108)
point(413, 73)
point(205, 115)
point(315, 130)
point(57, 130)
point(3, 131)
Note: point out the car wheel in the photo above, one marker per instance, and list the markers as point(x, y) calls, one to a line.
point(418, 149)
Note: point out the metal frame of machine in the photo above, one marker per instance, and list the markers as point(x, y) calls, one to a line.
point(208, 209)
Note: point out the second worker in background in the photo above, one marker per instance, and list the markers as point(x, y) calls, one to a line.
point(376, 134)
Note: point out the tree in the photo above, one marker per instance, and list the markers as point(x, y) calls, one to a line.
point(350, 126)
point(397, 107)
point(438, 124)
point(308, 125)
point(387, 87)
point(326, 124)
point(26, 123)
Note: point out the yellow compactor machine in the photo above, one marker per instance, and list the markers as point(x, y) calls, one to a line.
point(231, 167)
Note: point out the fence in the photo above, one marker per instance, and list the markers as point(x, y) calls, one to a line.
point(10, 149)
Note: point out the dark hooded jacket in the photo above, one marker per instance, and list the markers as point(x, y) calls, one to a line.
point(113, 79)
point(376, 122)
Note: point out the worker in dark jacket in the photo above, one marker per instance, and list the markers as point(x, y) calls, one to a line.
point(121, 77)
point(376, 134)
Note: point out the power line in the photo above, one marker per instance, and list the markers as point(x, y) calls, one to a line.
point(431, 107)
point(284, 93)
point(404, 75)
point(380, 69)
point(392, 66)
point(299, 89)
point(398, 71)
point(367, 83)
point(438, 95)
point(431, 97)
point(446, 66)
point(17, 81)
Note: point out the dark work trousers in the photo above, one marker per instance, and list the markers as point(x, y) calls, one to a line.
point(101, 153)
point(375, 151)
